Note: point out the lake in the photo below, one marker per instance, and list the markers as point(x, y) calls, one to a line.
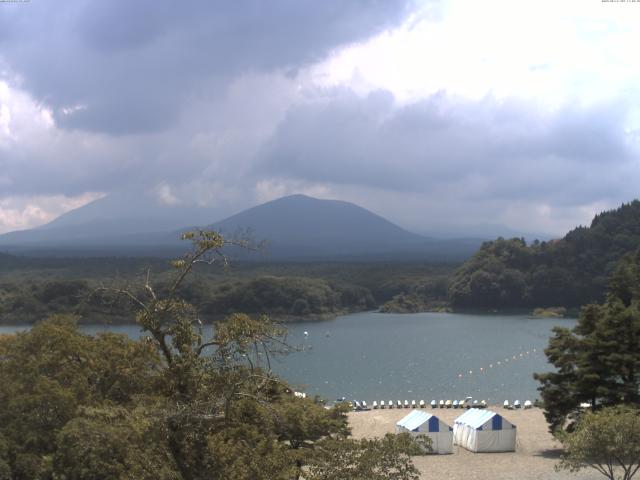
point(373, 356)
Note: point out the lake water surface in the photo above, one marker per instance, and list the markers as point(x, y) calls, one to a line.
point(373, 356)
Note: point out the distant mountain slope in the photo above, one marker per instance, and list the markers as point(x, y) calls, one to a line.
point(568, 272)
point(302, 220)
point(112, 219)
point(296, 227)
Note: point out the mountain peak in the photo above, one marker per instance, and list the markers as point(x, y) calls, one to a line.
point(295, 227)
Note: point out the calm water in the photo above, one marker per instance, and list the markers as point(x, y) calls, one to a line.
point(373, 356)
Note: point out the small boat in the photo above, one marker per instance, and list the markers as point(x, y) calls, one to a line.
point(506, 404)
point(448, 404)
point(364, 405)
point(399, 404)
point(516, 404)
point(375, 405)
point(433, 404)
point(527, 404)
point(340, 399)
point(455, 404)
point(382, 406)
point(406, 404)
point(475, 404)
point(441, 404)
point(421, 403)
point(390, 403)
point(460, 403)
point(413, 404)
point(357, 405)
point(483, 404)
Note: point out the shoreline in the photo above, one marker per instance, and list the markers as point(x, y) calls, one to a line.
point(537, 452)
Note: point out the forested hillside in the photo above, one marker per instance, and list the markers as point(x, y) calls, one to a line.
point(32, 288)
point(568, 272)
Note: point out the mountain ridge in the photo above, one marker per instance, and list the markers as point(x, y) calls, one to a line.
point(295, 227)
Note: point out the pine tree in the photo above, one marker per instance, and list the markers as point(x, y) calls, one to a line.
point(598, 361)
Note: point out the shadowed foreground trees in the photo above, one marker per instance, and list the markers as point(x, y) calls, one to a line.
point(182, 403)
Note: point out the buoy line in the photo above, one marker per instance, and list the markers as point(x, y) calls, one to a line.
point(499, 363)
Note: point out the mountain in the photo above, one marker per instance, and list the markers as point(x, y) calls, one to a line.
point(568, 272)
point(296, 227)
point(297, 223)
point(301, 227)
point(112, 220)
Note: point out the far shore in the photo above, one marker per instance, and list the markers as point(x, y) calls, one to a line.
point(537, 452)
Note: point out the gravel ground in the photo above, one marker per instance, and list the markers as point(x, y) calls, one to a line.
point(535, 456)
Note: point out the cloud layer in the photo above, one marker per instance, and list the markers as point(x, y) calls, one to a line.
point(392, 105)
point(124, 67)
point(486, 149)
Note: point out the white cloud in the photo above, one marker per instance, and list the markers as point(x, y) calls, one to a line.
point(548, 51)
point(515, 111)
point(24, 212)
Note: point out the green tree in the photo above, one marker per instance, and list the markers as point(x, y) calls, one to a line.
point(50, 373)
point(229, 416)
point(368, 459)
point(185, 402)
point(597, 361)
point(570, 272)
point(113, 444)
point(606, 441)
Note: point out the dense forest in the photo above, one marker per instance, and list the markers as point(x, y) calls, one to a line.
point(568, 272)
point(34, 288)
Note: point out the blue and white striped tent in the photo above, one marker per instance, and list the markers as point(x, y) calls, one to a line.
point(422, 423)
point(484, 431)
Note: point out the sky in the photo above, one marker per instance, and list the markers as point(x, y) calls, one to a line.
point(439, 115)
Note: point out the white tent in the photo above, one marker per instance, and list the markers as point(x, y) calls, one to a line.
point(484, 431)
point(422, 423)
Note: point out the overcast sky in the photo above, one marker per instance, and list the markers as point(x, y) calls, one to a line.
point(434, 114)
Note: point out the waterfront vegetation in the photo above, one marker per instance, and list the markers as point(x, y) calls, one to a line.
point(569, 272)
point(176, 404)
point(30, 291)
point(550, 312)
point(598, 361)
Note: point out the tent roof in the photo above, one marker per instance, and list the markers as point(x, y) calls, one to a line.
point(414, 420)
point(475, 417)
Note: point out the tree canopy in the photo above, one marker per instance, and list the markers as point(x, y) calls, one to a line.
point(568, 272)
point(185, 402)
point(598, 361)
point(606, 441)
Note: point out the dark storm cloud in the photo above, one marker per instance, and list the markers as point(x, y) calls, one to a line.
point(131, 65)
point(483, 149)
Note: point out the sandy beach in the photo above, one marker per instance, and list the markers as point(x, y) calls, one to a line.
point(535, 456)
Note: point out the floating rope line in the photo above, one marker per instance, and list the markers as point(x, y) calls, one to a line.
point(500, 363)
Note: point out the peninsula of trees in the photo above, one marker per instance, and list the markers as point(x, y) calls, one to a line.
point(568, 272)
